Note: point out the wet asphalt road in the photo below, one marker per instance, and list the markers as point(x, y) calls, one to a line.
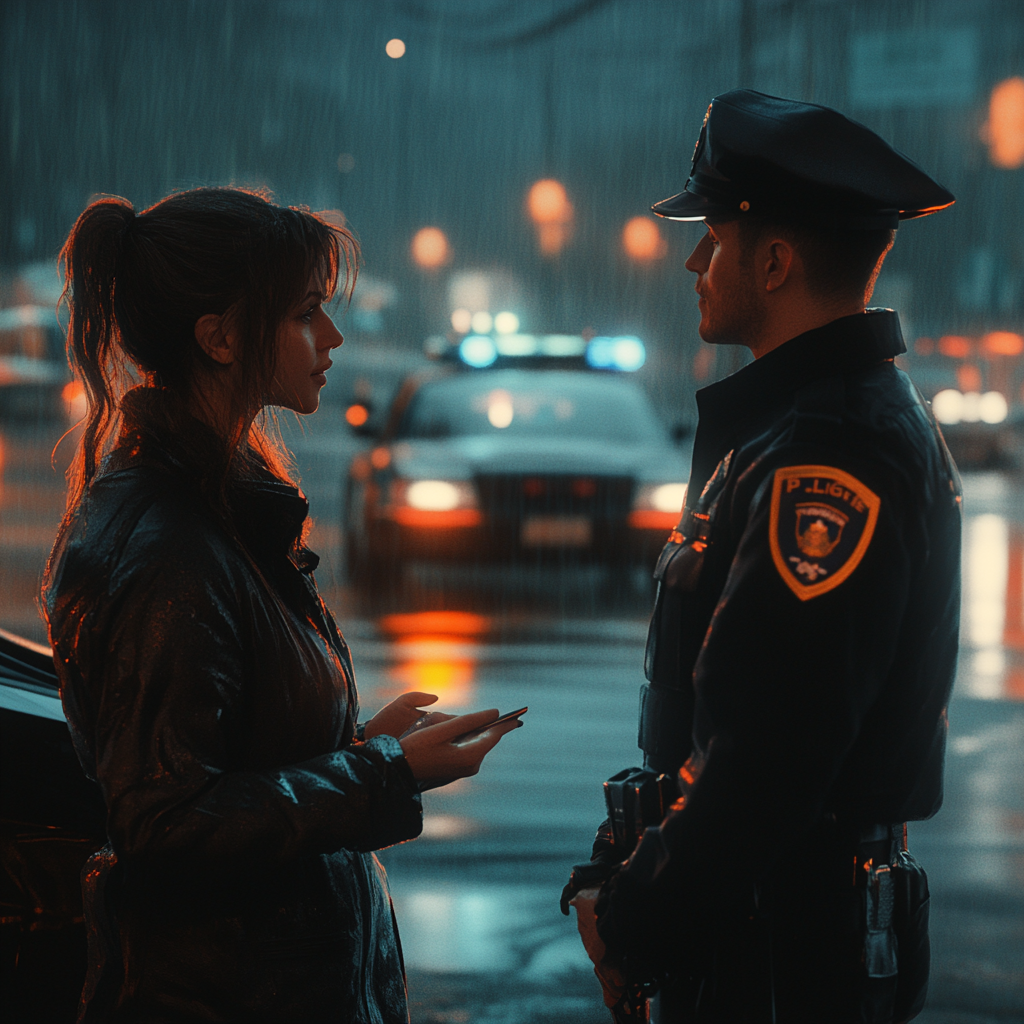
point(477, 894)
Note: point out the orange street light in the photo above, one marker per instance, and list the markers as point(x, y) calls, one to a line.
point(551, 212)
point(1003, 132)
point(1003, 343)
point(430, 248)
point(642, 241)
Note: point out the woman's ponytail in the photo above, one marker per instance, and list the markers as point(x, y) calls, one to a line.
point(91, 259)
point(135, 288)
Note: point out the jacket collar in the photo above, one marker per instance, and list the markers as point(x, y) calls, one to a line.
point(727, 407)
point(268, 514)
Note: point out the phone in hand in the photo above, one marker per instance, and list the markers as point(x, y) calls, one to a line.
point(426, 784)
point(507, 717)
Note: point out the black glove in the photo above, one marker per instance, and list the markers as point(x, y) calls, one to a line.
point(603, 864)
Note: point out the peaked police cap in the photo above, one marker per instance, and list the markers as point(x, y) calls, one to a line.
point(764, 156)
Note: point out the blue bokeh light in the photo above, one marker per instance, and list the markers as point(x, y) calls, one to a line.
point(478, 351)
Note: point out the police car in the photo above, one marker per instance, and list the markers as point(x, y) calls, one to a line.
point(516, 448)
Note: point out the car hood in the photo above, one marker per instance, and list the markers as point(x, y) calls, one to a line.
point(465, 457)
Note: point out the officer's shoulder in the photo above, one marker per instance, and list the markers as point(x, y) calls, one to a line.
point(877, 405)
point(874, 419)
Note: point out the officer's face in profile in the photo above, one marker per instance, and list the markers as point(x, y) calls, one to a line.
point(732, 310)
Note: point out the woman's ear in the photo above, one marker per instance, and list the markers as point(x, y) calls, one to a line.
point(217, 339)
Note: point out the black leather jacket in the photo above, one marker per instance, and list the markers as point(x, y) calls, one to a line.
point(804, 641)
point(211, 696)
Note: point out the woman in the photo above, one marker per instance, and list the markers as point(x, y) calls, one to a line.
point(208, 689)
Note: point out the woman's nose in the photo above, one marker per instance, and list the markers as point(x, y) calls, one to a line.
point(331, 337)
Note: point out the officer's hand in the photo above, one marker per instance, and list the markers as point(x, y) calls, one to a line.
point(395, 718)
point(585, 876)
point(434, 752)
point(613, 985)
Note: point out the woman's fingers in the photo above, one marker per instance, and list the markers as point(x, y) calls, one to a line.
point(480, 745)
point(433, 753)
point(459, 724)
point(416, 699)
point(435, 718)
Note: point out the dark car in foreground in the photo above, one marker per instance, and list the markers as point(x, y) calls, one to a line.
point(51, 819)
point(514, 464)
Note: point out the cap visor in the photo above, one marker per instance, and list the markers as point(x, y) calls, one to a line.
point(687, 206)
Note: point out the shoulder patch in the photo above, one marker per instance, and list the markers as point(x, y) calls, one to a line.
point(822, 521)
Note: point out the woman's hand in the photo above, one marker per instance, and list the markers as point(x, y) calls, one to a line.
point(432, 752)
point(403, 712)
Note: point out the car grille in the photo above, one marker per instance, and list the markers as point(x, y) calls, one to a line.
point(505, 497)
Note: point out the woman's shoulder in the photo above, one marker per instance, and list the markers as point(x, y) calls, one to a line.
point(141, 521)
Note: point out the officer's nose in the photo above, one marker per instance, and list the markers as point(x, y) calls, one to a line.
point(699, 260)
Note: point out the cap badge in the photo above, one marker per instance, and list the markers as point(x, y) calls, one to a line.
point(822, 521)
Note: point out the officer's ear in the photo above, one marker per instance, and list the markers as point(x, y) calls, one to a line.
point(780, 261)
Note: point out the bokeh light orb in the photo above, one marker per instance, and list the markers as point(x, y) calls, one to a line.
point(642, 241)
point(482, 322)
point(506, 322)
point(430, 248)
point(462, 320)
point(548, 203)
point(948, 406)
point(395, 48)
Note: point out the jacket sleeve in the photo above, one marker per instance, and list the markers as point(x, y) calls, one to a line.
point(783, 684)
point(173, 657)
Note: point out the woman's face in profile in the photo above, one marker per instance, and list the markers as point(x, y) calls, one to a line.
point(304, 342)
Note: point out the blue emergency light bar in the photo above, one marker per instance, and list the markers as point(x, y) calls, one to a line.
point(482, 350)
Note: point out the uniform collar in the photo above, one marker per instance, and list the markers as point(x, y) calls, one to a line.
point(846, 345)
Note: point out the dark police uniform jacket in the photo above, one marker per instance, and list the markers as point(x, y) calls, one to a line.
point(803, 645)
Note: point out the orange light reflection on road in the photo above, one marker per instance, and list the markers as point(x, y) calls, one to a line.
point(1013, 624)
point(441, 623)
point(438, 651)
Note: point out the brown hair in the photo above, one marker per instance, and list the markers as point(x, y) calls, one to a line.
point(135, 285)
point(839, 262)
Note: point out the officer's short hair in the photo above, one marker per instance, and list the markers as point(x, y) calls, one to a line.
point(840, 263)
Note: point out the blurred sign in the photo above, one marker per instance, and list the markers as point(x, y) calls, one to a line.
point(913, 67)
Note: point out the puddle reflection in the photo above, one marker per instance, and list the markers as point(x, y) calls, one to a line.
point(436, 652)
point(992, 655)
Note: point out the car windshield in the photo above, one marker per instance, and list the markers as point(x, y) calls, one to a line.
point(559, 404)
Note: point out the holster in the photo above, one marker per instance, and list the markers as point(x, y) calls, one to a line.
point(637, 798)
point(896, 955)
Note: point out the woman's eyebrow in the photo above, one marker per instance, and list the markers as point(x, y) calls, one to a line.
point(319, 296)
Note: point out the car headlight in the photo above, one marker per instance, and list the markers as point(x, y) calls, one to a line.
point(657, 506)
point(434, 503)
point(433, 495)
point(661, 497)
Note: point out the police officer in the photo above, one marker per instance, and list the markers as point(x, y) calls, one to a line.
point(803, 643)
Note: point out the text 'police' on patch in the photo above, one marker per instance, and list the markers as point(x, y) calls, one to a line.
point(822, 521)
